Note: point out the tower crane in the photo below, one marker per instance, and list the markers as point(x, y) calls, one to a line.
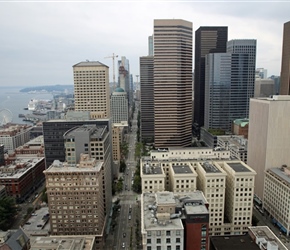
point(113, 57)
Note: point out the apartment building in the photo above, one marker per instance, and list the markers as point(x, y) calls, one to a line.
point(240, 184)
point(22, 176)
point(277, 197)
point(174, 221)
point(75, 198)
point(211, 180)
point(228, 184)
point(14, 136)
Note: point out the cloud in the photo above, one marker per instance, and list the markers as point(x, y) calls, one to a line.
point(41, 41)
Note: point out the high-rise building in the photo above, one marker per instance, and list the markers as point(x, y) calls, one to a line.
point(229, 84)
point(285, 64)
point(172, 83)
point(264, 87)
point(150, 46)
point(261, 73)
point(119, 106)
point(54, 130)
point(207, 40)
point(124, 77)
point(94, 141)
point(269, 137)
point(79, 208)
point(221, 179)
point(91, 88)
point(147, 99)
point(246, 48)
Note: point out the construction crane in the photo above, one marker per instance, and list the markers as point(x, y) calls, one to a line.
point(113, 57)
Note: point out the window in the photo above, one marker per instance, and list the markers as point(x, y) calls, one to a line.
point(149, 233)
point(167, 240)
point(158, 233)
point(158, 241)
point(148, 248)
point(168, 247)
point(148, 241)
point(167, 233)
point(177, 240)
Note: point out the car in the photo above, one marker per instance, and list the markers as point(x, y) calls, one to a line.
point(124, 235)
point(123, 245)
point(34, 214)
point(39, 225)
point(27, 223)
point(129, 217)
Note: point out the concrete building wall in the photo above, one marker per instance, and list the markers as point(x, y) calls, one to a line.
point(269, 136)
point(91, 88)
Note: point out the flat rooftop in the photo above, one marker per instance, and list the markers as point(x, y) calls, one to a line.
point(58, 166)
point(149, 217)
point(238, 167)
point(19, 167)
point(89, 64)
point(63, 242)
point(182, 169)
point(281, 174)
point(95, 131)
point(195, 208)
point(210, 168)
point(230, 242)
point(147, 169)
point(266, 233)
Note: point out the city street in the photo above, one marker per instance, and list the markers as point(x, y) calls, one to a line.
point(264, 220)
point(124, 236)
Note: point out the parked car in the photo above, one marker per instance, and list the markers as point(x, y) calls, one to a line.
point(34, 214)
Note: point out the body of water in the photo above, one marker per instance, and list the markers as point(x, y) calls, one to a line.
point(15, 101)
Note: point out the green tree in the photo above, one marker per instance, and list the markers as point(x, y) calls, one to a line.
point(255, 221)
point(124, 150)
point(44, 196)
point(122, 166)
point(8, 211)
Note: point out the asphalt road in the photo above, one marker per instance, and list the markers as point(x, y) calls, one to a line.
point(125, 235)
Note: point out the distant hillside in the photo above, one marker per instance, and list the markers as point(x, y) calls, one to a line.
point(49, 88)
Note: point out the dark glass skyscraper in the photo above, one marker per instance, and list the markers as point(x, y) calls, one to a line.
point(229, 84)
point(207, 40)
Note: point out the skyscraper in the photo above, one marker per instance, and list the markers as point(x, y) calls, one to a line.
point(172, 83)
point(147, 98)
point(207, 40)
point(229, 84)
point(119, 106)
point(91, 88)
point(124, 77)
point(245, 47)
point(285, 65)
point(150, 46)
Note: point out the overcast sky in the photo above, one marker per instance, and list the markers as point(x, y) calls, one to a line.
point(41, 40)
